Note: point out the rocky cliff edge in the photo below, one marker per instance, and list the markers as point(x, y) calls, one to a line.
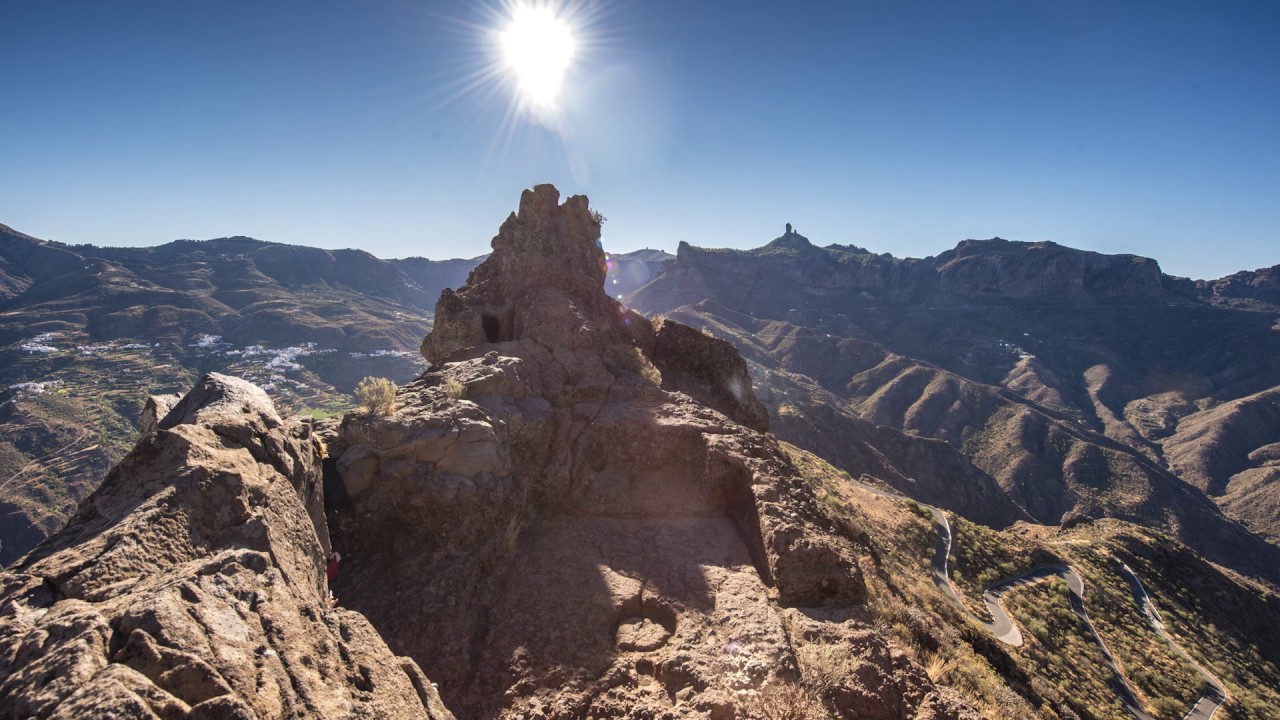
point(191, 584)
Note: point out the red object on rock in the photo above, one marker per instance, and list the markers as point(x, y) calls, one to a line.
point(331, 570)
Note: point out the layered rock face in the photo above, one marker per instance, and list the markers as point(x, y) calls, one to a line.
point(792, 273)
point(191, 585)
point(575, 514)
point(1258, 289)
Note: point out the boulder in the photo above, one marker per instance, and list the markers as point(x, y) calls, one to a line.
point(156, 407)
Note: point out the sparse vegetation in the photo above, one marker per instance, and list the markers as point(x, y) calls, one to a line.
point(782, 700)
point(1224, 621)
point(980, 556)
point(649, 371)
point(918, 509)
point(904, 604)
point(377, 395)
point(1059, 673)
point(633, 360)
point(453, 388)
point(1160, 676)
point(1062, 652)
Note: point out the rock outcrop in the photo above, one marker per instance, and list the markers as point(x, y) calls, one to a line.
point(1046, 270)
point(575, 513)
point(191, 584)
point(1253, 290)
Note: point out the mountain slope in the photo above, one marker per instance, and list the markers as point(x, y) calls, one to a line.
point(580, 512)
point(87, 332)
point(1033, 360)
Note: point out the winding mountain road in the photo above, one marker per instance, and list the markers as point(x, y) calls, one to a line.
point(1208, 704)
point(1002, 627)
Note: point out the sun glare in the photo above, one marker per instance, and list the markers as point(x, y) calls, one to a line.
point(537, 47)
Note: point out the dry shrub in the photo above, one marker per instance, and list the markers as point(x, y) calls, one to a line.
point(825, 666)
point(454, 388)
point(937, 667)
point(321, 447)
point(632, 359)
point(781, 700)
point(377, 395)
point(639, 364)
point(649, 371)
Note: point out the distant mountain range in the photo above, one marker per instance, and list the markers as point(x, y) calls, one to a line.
point(1013, 380)
point(1001, 379)
point(87, 332)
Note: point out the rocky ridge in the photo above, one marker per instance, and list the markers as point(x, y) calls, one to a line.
point(574, 512)
point(553, 523)
point(191, 584)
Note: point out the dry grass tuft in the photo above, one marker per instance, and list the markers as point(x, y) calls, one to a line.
point(454, 388)
point(825, 666)
point(782, 700)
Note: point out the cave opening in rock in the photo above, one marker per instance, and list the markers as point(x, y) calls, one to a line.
point(491, 327)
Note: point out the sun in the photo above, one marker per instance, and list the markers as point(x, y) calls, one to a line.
point(537, 48)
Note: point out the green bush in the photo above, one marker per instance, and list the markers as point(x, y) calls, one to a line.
point(377, 395)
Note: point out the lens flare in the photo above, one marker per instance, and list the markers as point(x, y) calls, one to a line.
point(537, 47)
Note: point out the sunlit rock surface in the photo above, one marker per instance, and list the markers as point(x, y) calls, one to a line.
point(575, 513)
point(191, 585)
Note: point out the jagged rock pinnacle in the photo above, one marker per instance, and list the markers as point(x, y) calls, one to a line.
point(544, 282)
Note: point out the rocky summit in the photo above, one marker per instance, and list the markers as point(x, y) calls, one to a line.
point(575, 512)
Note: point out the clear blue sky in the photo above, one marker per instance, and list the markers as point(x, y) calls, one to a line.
point(1144, 127)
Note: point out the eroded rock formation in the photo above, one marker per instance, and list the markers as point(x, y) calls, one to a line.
point(575, 513)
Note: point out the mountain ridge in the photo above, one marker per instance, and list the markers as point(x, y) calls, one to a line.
point(1046, 367)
